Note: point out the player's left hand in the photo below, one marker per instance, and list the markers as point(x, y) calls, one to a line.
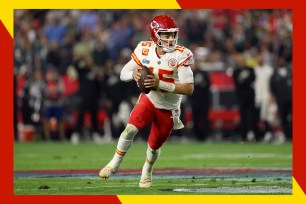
point(151, 82)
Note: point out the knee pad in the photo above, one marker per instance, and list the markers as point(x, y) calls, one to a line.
point(129, 132)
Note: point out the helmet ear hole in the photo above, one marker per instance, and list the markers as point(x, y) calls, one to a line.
point(176, 34)
point(160, 42)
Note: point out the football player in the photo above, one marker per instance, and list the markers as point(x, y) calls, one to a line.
point(172, 78)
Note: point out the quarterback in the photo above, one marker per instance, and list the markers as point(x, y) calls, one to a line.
point(173, 77)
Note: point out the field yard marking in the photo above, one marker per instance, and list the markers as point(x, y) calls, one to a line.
point(238, 190)
point(200, 178)
point(236, 156)
point(168, 171)
point(135, 185)
point(241, 177)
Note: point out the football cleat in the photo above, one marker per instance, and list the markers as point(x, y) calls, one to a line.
point(145, 182)
point(106, 172)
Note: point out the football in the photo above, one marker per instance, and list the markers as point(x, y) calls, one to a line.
point(145, 71)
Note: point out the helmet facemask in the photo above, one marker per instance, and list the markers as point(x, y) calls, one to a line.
point(167, 44)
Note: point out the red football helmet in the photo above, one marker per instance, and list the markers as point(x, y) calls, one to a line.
point(164, 24)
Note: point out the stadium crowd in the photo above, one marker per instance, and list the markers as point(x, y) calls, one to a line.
point(85, 51)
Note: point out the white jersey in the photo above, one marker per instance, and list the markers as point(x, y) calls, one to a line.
point(262, 91)
point(169, 67)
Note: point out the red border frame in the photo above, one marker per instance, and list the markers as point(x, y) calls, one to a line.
point(6, 121)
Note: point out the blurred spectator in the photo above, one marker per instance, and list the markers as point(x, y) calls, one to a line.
point(88, 19)
point(65, 54)
point(85, 46)
point(281, 88)
point(100, 54)
point(121, 33)
point(41, 52)
point(53, 104)
point(121, 117)
point(200, 103)
point(113, 86)
point(263, 73)
point(53, 56)
point(54, 31)
point(244, 78)
point(26, 126)
point(25, 95)
point(89, 95)
point(15, 99)
point(36, 92)
point(194, 27)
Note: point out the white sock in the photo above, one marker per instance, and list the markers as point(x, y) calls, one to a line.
point(124, 143)
point(152, 156)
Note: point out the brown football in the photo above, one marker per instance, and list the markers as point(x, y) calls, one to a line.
point(145, 71)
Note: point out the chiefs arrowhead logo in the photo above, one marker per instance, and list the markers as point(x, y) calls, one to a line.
point(154, 25)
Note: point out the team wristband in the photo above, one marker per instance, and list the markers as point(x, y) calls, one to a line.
point(166, 86)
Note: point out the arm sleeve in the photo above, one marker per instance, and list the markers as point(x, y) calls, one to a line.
point(185, 74)
point(128, 70)
point(186, 59)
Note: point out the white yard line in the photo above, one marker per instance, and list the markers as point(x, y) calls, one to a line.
point(238, 190)
point(236, 156)
point(180, 188)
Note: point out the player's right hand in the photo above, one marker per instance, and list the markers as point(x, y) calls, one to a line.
point(137, 74)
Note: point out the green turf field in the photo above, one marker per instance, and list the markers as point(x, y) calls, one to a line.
point(188, 168)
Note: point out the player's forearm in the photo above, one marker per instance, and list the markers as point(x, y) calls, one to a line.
point(179, 88)
point(127, 71)
point(185, 89)
point(126, 76)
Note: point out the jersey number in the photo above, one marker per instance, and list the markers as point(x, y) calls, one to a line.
point(180, 48)
point(161, 73)
point(146, 43)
